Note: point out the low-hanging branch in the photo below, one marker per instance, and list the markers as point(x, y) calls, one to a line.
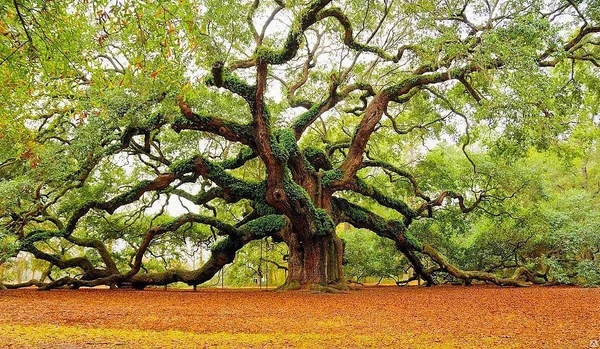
point(468, 276)
point(197, 165)
point(394, 230)
point(222, 253)
point(363, 218)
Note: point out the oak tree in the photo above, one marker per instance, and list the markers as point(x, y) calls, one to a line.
point(278, 119)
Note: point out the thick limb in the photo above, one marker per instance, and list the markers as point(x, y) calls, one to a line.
point(222, 253)
point(29, 283)
point(390, 229)
point(469, 276)
point(363, 218)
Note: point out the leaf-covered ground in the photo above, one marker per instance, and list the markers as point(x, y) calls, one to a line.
point(412, 317)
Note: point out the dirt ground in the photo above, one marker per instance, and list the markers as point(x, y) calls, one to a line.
point(386, 317)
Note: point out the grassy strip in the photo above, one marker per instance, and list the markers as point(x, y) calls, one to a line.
point(46, 335)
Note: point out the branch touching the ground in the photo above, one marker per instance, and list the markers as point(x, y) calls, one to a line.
point(197, 165)
point(111, 266)
point(362, 218)
point(32, 282)
point(468, 276)
point(222, 253)
point(394, 230)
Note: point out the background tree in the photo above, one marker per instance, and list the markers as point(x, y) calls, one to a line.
point(274, 119)
point(368, 255)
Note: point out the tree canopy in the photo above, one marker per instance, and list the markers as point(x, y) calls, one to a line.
point(461, 131)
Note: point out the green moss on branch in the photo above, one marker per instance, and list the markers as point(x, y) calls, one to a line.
point(265, 225)
point(413, 242)
point(294, 38)
point(182, 167)
point(240, 159)
point(233, 83)
point(238, 187)
point(306, 118)
point(331, 176)
point(324, 223)
point(224, 244)
point(283, 144)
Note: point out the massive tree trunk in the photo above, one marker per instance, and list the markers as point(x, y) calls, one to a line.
point(314, 261)
point(314, 250)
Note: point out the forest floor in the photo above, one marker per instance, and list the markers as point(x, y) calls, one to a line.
point(388, 317)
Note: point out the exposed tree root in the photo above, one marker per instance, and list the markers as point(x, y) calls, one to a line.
point(339, 287)
point(350, 282)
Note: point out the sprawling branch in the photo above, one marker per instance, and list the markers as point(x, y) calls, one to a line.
point(296, 202)
point(396, 231)
point(304, 120)
point(468, 276)
point(97, 244)
point(449, 194)
point(360, 217)
point(400, 172)
point(351, 42)
point(371, 191)
point(172, 226)
point(229, 130)
point(378, 105)
point(196, 165)
point(90, 272)
point(33, 282)
point(222, 253)
point(363, 218)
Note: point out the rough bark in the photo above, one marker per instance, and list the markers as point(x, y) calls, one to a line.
point(29, 283)
point(469, 276)
point(315, 262)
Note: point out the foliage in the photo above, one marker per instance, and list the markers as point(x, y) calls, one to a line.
point(147, 143)
point(367, 255)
